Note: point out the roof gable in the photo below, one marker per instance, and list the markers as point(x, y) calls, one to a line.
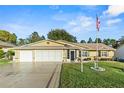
point(47, 43)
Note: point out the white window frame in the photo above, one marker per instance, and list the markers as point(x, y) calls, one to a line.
point(104, 54)
point(85, 53)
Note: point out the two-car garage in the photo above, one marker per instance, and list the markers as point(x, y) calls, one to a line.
point(41, 56)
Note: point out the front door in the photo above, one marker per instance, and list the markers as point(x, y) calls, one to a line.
point(72, 55)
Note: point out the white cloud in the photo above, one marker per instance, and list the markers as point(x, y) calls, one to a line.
point(114, 10)
point(18, 29)
point(113, 21)
point(86, 21)
point(72, 23)
point(81, 23)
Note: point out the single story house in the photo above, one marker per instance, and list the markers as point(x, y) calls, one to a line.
point(119, 53)
point(60, 51)
point(6, 46)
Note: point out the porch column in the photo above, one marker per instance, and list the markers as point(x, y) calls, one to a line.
point(64, 55)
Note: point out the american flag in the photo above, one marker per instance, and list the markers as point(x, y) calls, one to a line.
point(97, 23)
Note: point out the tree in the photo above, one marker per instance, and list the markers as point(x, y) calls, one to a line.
point(99, 40)
point(42, 37)
point(90, 40)
point(13, 38)
point(82, 41)
point(113, 43)
point(121, 40)
point(61, 34)
point(106, 41)
point(34, 37)
point(21, 42)
point(110, 42)
point(10, 54)
point(7, 36)
point(1, 53)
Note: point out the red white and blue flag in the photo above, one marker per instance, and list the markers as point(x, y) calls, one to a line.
point(97, 23)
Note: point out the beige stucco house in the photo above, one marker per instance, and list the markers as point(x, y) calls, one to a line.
point(61, 51)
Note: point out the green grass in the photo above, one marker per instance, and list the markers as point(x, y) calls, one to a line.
point(4, 61)
point(72, 77)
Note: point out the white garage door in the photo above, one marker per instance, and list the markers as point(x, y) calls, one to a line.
point(48, 56)
point(25, 56)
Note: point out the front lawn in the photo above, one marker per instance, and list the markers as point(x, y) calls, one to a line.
point(3, 61)
point(72, 77)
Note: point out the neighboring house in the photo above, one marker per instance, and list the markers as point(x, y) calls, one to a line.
point(5, 46)
point(119, 53)
point(60, 51)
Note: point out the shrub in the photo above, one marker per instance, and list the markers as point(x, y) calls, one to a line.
point(10, 54)
point(1, 53)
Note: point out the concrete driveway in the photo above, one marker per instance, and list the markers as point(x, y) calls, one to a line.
point(30, 75)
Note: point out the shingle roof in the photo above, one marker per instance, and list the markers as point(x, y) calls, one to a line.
point(45, 47)
point(93, 46)
point(29, 46)
point(68, 45)
point(5, 44)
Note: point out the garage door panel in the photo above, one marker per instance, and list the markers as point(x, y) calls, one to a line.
point(25, 56)
point(48, 55)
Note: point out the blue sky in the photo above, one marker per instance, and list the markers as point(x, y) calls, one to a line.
point(79, 21)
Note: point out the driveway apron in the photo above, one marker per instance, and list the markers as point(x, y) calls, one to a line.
point(30, 75)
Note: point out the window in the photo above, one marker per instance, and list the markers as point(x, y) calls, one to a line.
point(104, 53)
point(85, 53)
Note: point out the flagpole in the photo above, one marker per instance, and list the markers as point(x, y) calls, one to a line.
point(96, 67)
point(97, 30)
point(97, 49)
point(96, 61)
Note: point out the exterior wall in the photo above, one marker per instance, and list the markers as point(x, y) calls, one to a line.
point(111, 53)
point(92, 54)
point(17, 54)
point(47, 43)
point(33, 55)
